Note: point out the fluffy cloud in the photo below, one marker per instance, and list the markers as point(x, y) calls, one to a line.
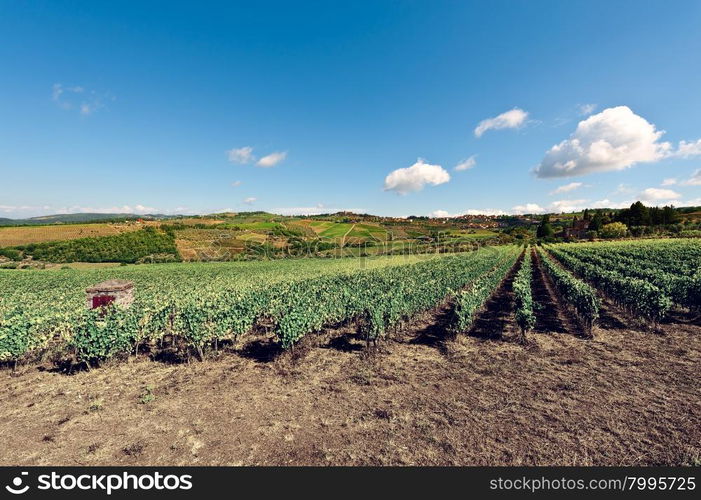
point(272, 159)
point(414, 178)
point(510, 119)
point(567, 188)
point(250, 200)
point(245, 155)
point(688, 149)
point(241, 155)
point(528, 208)
point(669, 182)
point(614, 139)
point(440, 214)
point(123, 209)
point(657, 194)
point(567, 205)
point(606, 203)
point(466, 164)
point(694, 180)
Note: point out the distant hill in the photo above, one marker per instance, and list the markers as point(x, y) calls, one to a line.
point(78, 219)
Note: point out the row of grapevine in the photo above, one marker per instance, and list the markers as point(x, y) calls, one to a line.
point(382, 299)
point(471, 300)
point(382, 296)
point(523, 294)
point(576, 293)
point(638, 296)
point(41, 308)
point(682, 289)
point(680, 257)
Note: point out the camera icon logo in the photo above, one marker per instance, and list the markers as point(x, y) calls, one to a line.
point(16, 487)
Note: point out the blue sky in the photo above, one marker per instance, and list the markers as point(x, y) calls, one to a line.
point(176, 107)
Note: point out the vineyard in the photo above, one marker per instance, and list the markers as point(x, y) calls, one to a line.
point(646, 278)
point(436, 360)
point(195, 306)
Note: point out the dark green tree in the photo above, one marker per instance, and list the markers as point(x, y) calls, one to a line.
point(597, 221)
point(545, 230)
point(638, 215)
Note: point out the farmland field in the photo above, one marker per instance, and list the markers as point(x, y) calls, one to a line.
point(223, 301)
point(12, 236)
point(478, 353)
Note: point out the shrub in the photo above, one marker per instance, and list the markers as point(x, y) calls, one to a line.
point(614, 230)
point(126, 247)
point(11, 254)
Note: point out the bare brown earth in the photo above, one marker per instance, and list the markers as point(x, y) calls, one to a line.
point(627, 397)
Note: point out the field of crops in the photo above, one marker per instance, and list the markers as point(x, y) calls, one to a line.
point(196, 306)
point(647, 278)
point(13, 236)
point(200, 304)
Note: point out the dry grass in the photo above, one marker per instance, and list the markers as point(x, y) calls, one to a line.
point(13, 236)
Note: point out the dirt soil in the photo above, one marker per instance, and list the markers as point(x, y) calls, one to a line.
point(629, 396)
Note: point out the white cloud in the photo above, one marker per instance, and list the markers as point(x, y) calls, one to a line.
point(443, 214)
point(236, 183)
point(414, 178)
point(658, 194)
point(510, 119)
point(250, 200)
point(694, 180)
point(466, 164)
point(671, 181)
point(440, 214)
point(241, 155)
point(124, 209)
point(139, 209)
point(614, 139)
point(77, 97)
point(485, 211)
point(606, 203)
point(528, 208)
point(688, 149)
point(559, 206)
point(696, 202)
point(567, 206)
point(316, 210)
point(22, 209)
point(567, 188)
point(272, 159)
point(586, 109)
